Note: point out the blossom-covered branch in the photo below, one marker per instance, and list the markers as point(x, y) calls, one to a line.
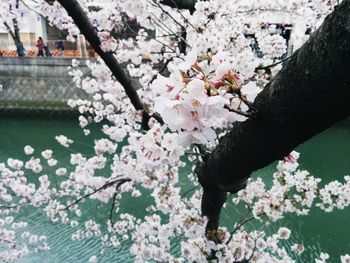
point(304, 98)
point(81, 20)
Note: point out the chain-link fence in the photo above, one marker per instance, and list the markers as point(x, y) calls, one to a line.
point(38, 86)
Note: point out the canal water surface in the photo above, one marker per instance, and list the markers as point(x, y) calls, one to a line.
point(326, 156)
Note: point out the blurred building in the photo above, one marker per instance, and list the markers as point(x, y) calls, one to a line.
point(32, 26)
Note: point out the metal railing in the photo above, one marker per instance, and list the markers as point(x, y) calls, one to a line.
point(71, 50)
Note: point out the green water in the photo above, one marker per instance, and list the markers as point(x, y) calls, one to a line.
point(326, 156)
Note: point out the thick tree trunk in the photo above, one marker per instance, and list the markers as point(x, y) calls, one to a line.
point(309, 94)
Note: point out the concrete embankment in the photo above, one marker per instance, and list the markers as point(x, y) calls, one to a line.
point(37, 86)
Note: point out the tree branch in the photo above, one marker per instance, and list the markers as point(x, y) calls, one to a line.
point(105, 186)
point(81, 20)
point(114, 199)
point(273, 64)
point(181, 4)
point(308, 95)
point(12, 34)
point(164, 66)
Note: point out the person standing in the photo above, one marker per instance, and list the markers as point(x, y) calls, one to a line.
point(40, 45)
point(60, 47)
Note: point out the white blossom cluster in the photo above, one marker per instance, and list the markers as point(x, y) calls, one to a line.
point(16, 192)
point(198, 95)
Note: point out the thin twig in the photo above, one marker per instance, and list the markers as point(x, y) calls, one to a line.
point(245, 101)
point(107, 185)
point(162, 69)
point(253, 251)
point(274, 64)
point(190, 190)
point(167, 13)
point(165, 26)
point(185, 19)
point(240, 223)
point(150, 37)
point(245, 114)
point(112, 206)
point(114, 200)
point(201, 150)
point(238, 227)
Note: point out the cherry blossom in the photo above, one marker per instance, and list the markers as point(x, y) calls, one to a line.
point(230, 47)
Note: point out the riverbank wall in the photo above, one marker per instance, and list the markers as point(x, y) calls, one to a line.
point(38, 86)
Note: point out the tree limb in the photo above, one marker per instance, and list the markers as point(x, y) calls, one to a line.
point(181, 4)
point(308, 95)
point(81, 20)
point(119, 182)
point(273, 64)
point(9, 30)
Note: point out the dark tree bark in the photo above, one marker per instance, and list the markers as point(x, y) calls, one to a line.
point(81, 20)
point(180, 4)
point(14, 33)
point(309, 94)
point(182, 41)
